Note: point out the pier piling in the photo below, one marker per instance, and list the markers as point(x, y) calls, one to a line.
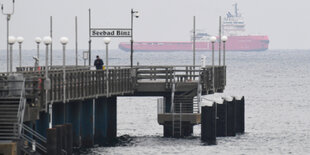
point(73, 112)
point(69, 139)
point(231, 117)
point(51, 141)
point(221, 122)
point(208, 124)
point(87, 132)
point(239, 114)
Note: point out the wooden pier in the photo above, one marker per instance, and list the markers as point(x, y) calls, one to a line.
point(87, 99)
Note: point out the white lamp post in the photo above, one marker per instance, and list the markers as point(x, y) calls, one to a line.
point(11, 41)
point(107, 41)
point(38, 41)
point(8, 17)
point(64, 41)
point(47, 40)
point(213, 40)
point(20, 40)
point(136, 14)
point(224, 39)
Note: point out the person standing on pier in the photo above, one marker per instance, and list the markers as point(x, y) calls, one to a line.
point(98, 63)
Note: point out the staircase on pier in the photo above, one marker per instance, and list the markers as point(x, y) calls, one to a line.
point(9, 118)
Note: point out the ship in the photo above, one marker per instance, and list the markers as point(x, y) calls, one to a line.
point(233, 26)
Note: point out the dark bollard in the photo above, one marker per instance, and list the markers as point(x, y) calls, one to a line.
point(221, 122)
point(51, 147)
point(208, 124)
point(59, 138)
point(231, 129)
point(239, 101)
point(69, 139)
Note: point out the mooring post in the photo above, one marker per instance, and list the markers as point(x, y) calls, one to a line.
point(208, 124)
point(73, 112)
point(239, 103)
point(87, 134)
point(221, 122)
point(51, 141)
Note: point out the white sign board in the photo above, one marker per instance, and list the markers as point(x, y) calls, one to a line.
point(100, 32)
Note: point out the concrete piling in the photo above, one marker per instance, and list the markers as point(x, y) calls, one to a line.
point(239, 110)
point(208, 124)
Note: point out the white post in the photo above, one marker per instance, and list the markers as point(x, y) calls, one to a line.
point(107, 41)
point(64, 42)
point(11, 41)
point(20, 41)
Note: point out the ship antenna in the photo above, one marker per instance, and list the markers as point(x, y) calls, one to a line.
point(236, 9)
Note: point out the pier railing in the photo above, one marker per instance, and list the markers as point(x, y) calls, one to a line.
point(89, 84)
point(183, 74)
point(82, 82)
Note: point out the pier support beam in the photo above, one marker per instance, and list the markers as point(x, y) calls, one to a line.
point(87, 129)
point(106, 121)
point(73, 112)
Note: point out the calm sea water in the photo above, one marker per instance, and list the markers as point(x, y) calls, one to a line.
point(276, 86)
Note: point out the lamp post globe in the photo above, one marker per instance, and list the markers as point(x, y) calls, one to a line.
point(224, 38)
point(137, 14)
point(47, 40)
point(12, 40)
point(38, 40)
point(20, 40)
point(64, 40)
point(213, 39)
point(106, 40)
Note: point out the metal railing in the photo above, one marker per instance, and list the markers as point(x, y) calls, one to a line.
point(29, 136)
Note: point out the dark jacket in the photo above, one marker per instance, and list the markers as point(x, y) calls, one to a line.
point(98, 63)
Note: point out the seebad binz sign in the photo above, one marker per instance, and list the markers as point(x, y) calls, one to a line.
point(99, 32)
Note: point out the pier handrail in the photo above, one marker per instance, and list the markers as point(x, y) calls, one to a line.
point(21, 108)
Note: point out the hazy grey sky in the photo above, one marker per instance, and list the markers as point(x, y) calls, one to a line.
point(284, 21)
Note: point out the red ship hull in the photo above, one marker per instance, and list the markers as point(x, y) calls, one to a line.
point(234, 43)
